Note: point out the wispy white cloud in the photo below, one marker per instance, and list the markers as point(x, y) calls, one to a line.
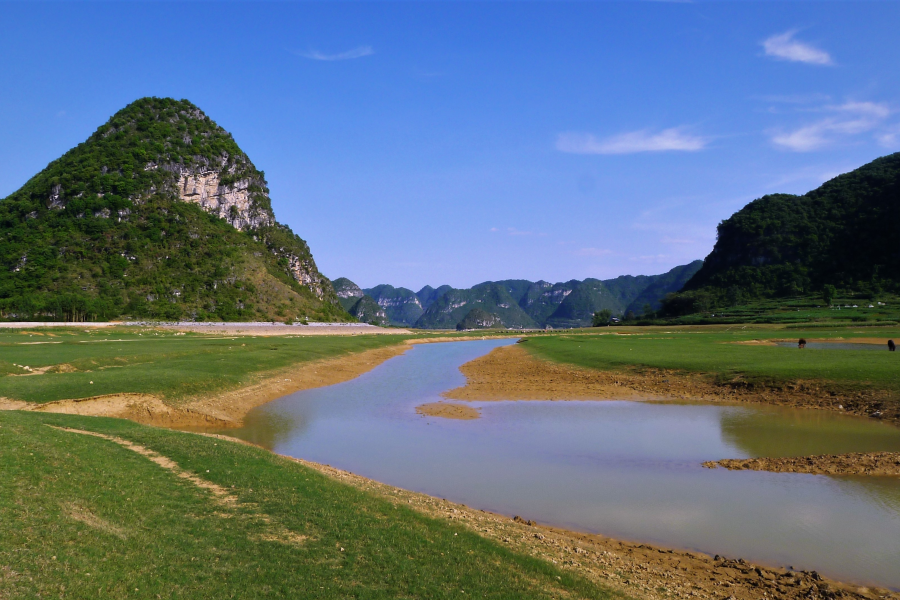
point(783, 46)
point(890, 137)
point(846, 120)
point(671, 240)
point(676, 138)
point(349, 54)
point(592, 252)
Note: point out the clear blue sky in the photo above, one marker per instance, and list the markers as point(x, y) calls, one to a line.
point(414, 143)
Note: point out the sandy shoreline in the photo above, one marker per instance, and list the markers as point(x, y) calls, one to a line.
point(512, 373)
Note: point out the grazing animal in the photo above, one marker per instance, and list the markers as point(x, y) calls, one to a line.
point(891, 345)
point(801, 343)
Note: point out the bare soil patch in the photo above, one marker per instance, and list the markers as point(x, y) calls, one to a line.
point(879, 464)
point(512, 373)
point(448, 410)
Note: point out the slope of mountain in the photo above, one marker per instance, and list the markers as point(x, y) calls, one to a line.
point(401, 305)
point(348, 293)
point(366, 310)
point(843, 233)
point(664, 284)
point(158, 214)
point(479, 319)
point(427, 295)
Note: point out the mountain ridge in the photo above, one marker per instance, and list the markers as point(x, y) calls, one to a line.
point(520, 303)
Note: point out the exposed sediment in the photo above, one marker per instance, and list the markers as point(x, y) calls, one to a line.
point(879, 464)
point(513, 373)
point(448, 410)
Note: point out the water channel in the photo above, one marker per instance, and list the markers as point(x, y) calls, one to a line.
point(629, 470)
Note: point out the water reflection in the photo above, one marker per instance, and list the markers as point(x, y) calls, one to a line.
point(625, 469)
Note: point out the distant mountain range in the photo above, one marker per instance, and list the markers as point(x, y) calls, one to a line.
point(516, 303)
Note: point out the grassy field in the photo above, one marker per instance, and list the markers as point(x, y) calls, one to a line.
point(85, 517)
point(843, 311)
point(712, 350)
point(164, 363)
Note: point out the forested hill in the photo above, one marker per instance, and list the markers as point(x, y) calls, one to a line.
point(844, 234)
point(522, 303)
point(159, 214)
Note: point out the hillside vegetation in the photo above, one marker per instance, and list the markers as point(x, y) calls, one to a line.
point(840, 238)
point(159, 214)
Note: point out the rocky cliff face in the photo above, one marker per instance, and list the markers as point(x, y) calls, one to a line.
point(234, 203)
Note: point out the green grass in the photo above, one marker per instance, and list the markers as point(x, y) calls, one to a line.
point(83, 517)
point(846, 310)
point(707, 350)
point(172, 366)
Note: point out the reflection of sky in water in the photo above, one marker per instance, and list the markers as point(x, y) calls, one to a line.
point(625, 469)
point(837, 346)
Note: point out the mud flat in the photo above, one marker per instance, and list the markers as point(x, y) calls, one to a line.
point(878, 464)
point(512, 373)
point(638, 570)
point(448, 410)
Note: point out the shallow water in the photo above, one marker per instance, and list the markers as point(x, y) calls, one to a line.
point(837, 346)
point(624, 469)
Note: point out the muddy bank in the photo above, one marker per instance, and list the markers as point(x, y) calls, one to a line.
point(225, 409)
point(883, 464)
point(448, 410)
point(512, 373)
point(638, 570)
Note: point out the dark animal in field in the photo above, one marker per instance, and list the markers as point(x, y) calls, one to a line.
point(891, 345)
point(801, 343)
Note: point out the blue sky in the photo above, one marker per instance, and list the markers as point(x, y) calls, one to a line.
point(433, 143)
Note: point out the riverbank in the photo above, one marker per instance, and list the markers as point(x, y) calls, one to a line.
point(514, 373)
point(222, 409)
point(106, 508)
point(876, 464)
point(638, 570)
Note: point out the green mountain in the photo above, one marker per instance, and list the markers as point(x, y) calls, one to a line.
point(666, 283)
point(348, 293)
point(454, 305)
point(401, 305)
point(159, 214)
point(479, 319)
point(843, 233)
point(427, 295)
point(366, 310)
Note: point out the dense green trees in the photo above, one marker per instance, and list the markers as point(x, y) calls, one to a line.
point(843, 235)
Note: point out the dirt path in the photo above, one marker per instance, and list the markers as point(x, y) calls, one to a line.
point(512, 373)
point(877, 464)
point(638, 570)
point(226, 409)
point(222, 497)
